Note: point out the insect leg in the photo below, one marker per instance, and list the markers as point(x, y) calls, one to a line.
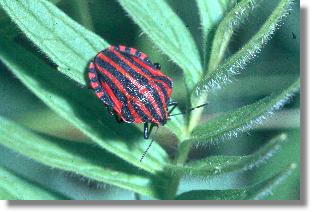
point(149, 146)
point(146, 131)
point(174, 104)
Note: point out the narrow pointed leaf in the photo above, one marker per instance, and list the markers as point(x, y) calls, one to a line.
point(13, 187)
point(237, 62)
point(226, 29)
point(78, 158)
point(221, 164)
point(264, 190)
point(211, 13)
point(242, 119)
point(257, 192)
point(69, 45)
point(80, 107)
point(168, 33)
point(216, 46)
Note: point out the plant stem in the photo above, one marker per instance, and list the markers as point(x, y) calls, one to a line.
point(183, 151)
point(185, 147)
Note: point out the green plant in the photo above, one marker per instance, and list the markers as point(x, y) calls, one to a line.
point(181, 166)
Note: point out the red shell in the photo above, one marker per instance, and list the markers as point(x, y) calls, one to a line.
point(128, 82)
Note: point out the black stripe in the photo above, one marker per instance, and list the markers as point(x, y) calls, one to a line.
point(126, 113)
point(147, 72)
point(140, 79)
point(129, 87)
point(127, 50)
point(142, 115)
point(98, 89)
point(137, 53)
point(92, 70)
point(105, 98)
point(164, 91)
point(165, 80)
point(94, 79)
point(120, 96)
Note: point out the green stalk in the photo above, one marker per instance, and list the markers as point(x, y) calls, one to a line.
point(182, 153)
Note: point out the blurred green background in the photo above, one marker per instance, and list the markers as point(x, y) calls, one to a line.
point(276, 67)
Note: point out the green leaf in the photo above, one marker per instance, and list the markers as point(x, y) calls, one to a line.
point(71, 185)
point(264, 190)
point(81, 108)
point(13, 187)
point(222, 164)
point(241, 119)
point(81, 159)
point(64, 41)
point(285, 119)
point(237, 62)
point(289, 153)
point(257, 192)
point(226, 29)
point(168, 33)
point(211, 13)
point(38, 121)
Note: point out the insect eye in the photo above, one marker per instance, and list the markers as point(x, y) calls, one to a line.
point(157, 66)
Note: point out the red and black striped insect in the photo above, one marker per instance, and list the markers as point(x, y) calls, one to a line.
point(132, 87)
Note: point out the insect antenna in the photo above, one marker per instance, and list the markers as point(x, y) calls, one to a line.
point(189, 110)
point(149, 146)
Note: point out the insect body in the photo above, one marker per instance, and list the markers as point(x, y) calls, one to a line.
point(131, 86)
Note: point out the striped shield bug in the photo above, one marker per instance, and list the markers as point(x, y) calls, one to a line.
point(131, 87)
